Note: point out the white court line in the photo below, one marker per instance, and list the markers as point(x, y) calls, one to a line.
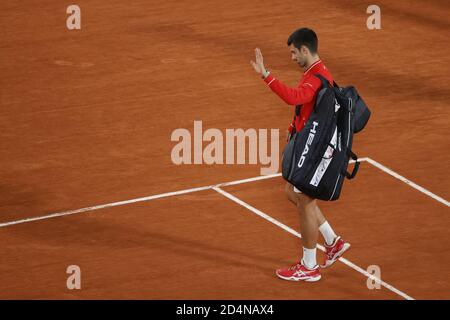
point(143, 199)
point(295, 233)
point(216, 188)
point(408, 182)
point(102, 206)
point(176, 193)
point(270, 176)
point(232, 183)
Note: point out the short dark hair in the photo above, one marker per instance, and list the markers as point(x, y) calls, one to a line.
point(304, 37)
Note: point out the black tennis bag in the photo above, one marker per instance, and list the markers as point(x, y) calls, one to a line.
point(315, 160)
point(361, 111)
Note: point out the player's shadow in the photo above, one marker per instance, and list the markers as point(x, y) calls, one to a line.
point(98, 235)
point(201, 249)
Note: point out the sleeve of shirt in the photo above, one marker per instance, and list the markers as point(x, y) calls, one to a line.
point(294, 96)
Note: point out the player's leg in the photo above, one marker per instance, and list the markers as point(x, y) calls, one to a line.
point(292, 197)
point(290, 194)
point(307, 269)
point(309, 227)
point(324, 227)
point(334, 245)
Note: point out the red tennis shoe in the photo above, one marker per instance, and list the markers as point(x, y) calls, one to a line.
point(299, 272)
point(334, 251)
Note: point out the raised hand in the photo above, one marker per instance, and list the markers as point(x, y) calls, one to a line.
point(259, 64)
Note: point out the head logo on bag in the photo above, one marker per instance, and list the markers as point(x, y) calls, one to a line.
point(312, 132)
point(323, 149)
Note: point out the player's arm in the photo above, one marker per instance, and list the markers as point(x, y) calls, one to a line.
point(292, 96)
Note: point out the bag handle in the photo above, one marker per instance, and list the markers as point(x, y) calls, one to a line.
point(348, 175)
point(332, 154)
point(325, 82)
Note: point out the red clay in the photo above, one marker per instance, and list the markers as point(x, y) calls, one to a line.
point(86, 119)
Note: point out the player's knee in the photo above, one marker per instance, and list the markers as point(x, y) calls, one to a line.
point(304, 201)
point(289, 190)
point(301, 200)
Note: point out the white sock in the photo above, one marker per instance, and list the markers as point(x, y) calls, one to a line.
point(328, 233)
point(309, 257)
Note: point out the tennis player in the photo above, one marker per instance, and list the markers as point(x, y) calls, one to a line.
point(303, 45)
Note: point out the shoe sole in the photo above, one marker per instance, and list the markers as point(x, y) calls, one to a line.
point(311, 279)
point(329, 263)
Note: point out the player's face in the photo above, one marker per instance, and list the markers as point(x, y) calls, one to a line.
point(298, 56)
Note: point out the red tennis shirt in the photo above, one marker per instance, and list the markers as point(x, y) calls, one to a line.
point(304, 94)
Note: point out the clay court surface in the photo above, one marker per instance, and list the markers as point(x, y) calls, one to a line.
point(86, 118)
